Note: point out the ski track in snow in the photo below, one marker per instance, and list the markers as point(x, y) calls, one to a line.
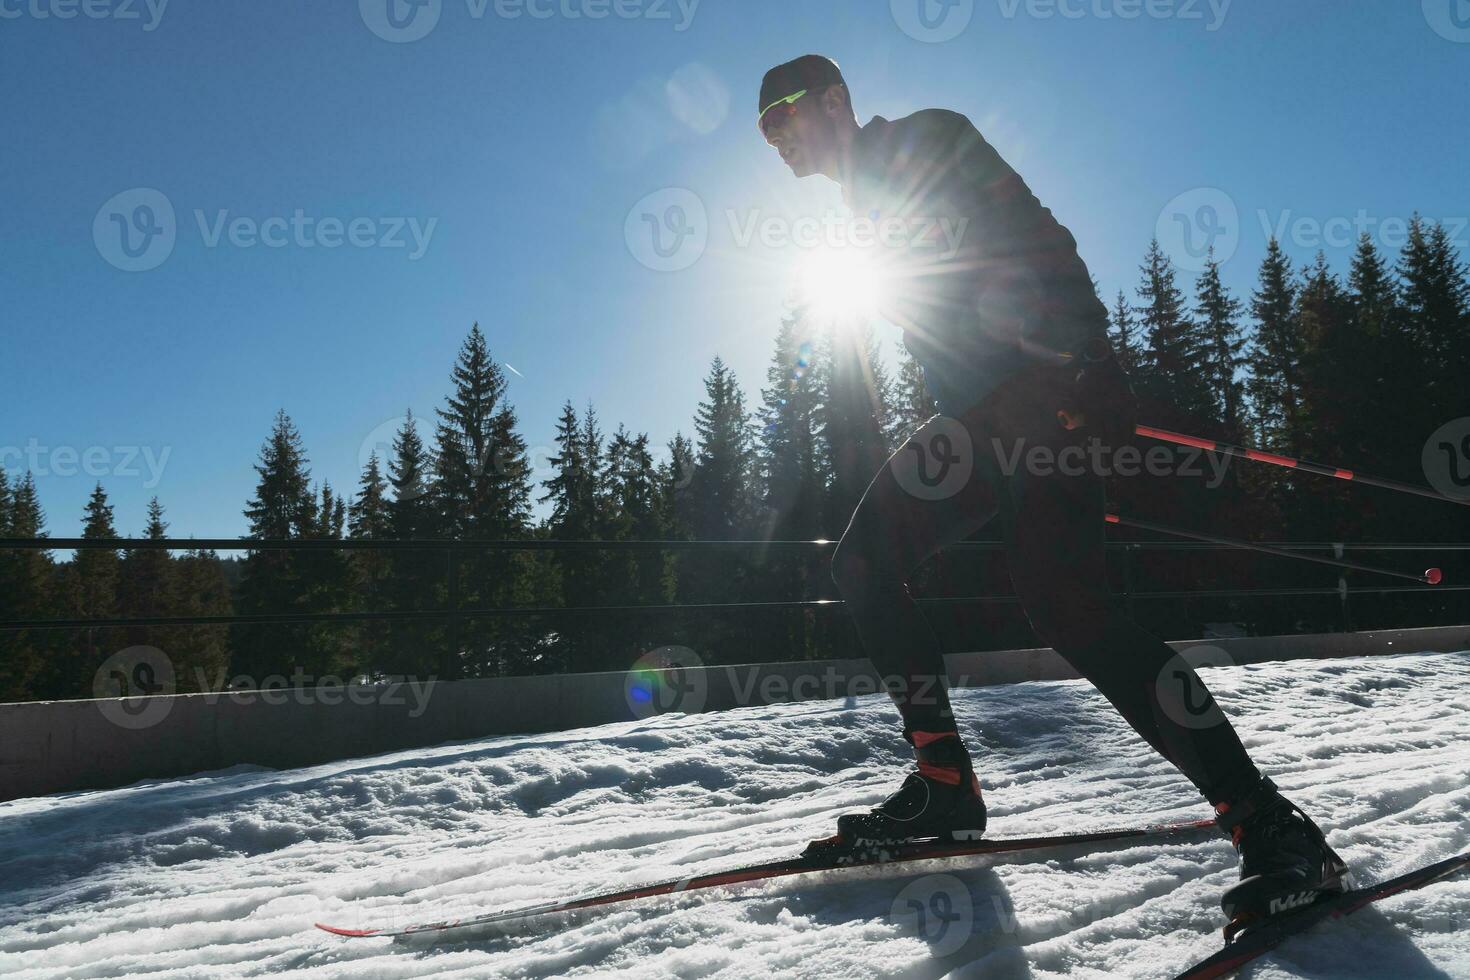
point(223, 874)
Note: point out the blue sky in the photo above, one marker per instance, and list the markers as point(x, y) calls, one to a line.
point(497, 168)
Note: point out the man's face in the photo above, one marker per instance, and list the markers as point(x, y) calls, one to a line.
point(801, 133)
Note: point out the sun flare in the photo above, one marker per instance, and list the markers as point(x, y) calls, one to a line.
point(837, 284)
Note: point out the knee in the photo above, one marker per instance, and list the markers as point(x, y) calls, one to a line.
point(858, 570)
point(848, 567)
point(1067, 620)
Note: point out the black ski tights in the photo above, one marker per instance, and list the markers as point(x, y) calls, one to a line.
point(922, 499)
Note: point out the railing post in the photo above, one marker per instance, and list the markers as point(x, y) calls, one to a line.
point(449, 668)
point(1342, 590)
point(1128, 550)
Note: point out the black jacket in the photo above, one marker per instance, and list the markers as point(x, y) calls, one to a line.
point(982, 278)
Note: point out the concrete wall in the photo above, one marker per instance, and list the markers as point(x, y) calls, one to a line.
point(59, 746)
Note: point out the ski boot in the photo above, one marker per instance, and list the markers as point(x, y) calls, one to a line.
point(1286, 863)
point(941, 799)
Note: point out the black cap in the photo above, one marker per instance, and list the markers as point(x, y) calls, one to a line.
point(810, 72)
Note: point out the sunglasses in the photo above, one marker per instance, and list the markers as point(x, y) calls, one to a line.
point(778, 112)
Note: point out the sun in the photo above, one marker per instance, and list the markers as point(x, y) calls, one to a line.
point(837, 284)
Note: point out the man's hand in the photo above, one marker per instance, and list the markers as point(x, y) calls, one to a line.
point(1101, 402)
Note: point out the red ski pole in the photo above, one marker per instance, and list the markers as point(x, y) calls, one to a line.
point(1432, 576)
point(1244, 452)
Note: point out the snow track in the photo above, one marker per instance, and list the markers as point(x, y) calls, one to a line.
point(223, 874)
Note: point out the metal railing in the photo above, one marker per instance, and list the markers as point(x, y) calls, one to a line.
point(455, 613)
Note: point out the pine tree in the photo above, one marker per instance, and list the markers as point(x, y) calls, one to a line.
point(675, 476)
point(411, 512)
point(416, 577)
point(283, 507)
point(325, 579)
point(787, 461)
point(483, 492)
point(1386, 357)
point(853, 445)
point(1174, 357)
point(1219, 314)
point(913, 404)
point(11, 688)
point(146, 586)
point(892, 425)
point(567, 489)
point(1323, 312)
point(574, 493)
point(1435, 305)
point(368, 513)
point(483, 474)
point(598, 471)
point(1123, 332)
point(368, 520)
point(720, 505)
point(92, 585)
point(1275, 353)
point(27, 592)
point(639, 577)
point(793, 483)
point(200, 590)
point(721, 484)
point(1326, 422)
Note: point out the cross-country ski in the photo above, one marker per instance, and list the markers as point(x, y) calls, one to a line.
point(819, 856)
point(1270, 933)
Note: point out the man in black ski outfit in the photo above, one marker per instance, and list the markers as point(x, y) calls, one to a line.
point(1000, 311)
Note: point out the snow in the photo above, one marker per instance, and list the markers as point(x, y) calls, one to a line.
point(224, 874)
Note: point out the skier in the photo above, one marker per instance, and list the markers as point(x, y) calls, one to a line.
point(1013, 344)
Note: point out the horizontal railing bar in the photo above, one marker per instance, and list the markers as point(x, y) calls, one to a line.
point(432, 544)
point(676, 608)
point(375, 544)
